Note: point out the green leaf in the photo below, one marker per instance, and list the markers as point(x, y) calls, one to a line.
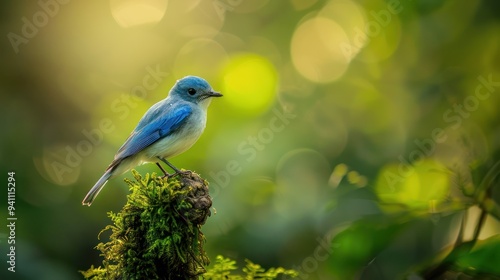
point(484, 258)
point(353, 248)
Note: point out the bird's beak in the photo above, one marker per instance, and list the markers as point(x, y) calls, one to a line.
point(209, 94)
point(215, 94)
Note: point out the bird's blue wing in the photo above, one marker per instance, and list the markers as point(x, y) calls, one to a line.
point(148, 133)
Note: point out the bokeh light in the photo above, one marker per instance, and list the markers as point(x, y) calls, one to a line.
point(250, 83)
point(350, 16)
point(422, 185)
point(129, 13)
point(382, 42)
point(316, 50)
point(53, 165)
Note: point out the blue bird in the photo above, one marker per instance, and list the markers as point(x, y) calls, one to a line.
point(169, 127)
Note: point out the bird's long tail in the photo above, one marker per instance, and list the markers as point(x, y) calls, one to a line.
point(91, 195)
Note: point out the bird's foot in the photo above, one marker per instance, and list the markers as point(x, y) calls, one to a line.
point(177, 173)
point(183, 173)
point(166, 176)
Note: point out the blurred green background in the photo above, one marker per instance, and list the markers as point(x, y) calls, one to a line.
point(352, 139)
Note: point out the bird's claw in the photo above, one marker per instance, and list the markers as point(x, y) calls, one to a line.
point(177, 173)
point(183, 173)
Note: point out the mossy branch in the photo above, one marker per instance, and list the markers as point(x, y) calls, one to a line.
point(157, 234)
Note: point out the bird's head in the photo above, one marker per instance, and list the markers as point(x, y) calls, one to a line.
point(194, 89)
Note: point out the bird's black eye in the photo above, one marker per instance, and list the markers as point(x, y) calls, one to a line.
point(191, 91)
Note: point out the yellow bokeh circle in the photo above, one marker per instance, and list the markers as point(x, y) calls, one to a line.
point(250, 83)
point(134, 13)
point(316, 50)
point(413, 185)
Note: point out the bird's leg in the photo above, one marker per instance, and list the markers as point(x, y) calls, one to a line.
point(177, 171)
point(163, 170)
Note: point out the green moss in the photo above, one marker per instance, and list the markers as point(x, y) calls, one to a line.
point(157, 234)
point(224, 269)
